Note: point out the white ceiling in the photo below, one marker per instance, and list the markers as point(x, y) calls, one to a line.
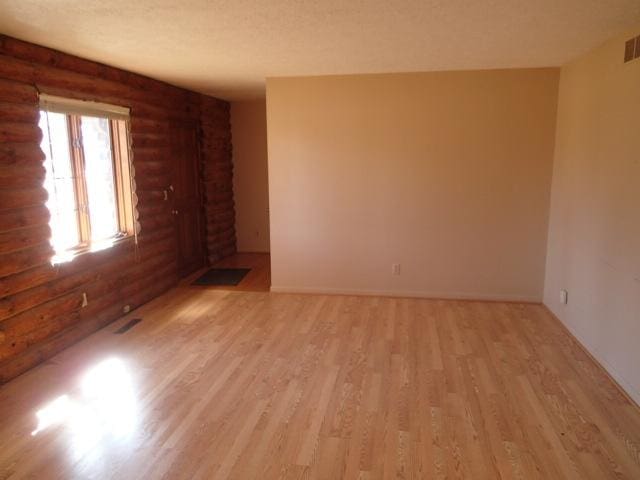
point(227, 47)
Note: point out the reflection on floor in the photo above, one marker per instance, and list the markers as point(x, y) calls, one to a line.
point(229, 384)
point(104, 406)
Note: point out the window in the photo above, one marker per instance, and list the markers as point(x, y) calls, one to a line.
point(88, 177)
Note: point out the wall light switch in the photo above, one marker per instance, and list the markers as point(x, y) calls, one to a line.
point(395, 269)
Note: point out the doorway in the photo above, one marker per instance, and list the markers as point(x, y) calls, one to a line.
point(187, 205)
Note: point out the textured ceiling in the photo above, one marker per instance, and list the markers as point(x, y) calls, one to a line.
point(227, 47)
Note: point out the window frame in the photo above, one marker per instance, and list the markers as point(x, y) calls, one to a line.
point(119, 138)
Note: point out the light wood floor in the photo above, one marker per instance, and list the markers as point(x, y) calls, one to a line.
point(228, 384)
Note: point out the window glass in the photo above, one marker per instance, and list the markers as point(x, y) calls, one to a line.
point(59, 181)
point(98, 159)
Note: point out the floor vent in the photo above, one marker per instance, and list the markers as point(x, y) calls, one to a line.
point(632, 49)
point(128, 326)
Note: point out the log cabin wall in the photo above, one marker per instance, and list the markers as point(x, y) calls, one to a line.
point(41, 305)
point(217, 174)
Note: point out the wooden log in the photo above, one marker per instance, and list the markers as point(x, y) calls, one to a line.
point(218, 173)
point(225, 168)
point(149, 125)
point(160, 113)
point(215, 143)
point(213, 197)
point(21, 155)
point(18, 92)
point(151, 196)
point(218, 232)
point(220, 184)
point(150, 140)
point(23, 218)
point(225, 206)
point(23, 330)
point(150, 168)
point(215, 244)
point(17, 71)
point(151, 210)
point(28, 299)
point(24, 260)
point(19, 112)
point(151, 237)
point(28, 177)
point(24, 280)
point(120, 280)
point(13, 198)
point(155, 222)
point(20, 132)
point(222, 218)
point(13, 241)
point(153, 182)
point(162, 244)
point(143, 155)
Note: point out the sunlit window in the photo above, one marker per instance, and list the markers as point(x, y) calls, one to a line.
point(88, 174)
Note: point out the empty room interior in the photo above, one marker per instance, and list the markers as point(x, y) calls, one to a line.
point(320, 240)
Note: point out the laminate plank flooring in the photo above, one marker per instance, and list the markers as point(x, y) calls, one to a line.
point(233, 384)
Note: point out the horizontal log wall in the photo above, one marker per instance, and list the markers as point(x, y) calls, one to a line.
point(217, 175)
point(41, 309)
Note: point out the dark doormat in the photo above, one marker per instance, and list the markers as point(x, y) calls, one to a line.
point(222, 276)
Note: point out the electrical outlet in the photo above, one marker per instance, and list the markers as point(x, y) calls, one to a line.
point(564, 297)
point(395, 269)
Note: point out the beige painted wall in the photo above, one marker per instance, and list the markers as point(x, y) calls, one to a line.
point(250, 183)
point(447, 174)
point(594, 233)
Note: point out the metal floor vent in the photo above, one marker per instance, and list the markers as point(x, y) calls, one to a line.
point(632, 49)
point(128, 326)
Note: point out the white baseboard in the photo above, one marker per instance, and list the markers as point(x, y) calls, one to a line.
point(597, 355)
point(409, 294)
